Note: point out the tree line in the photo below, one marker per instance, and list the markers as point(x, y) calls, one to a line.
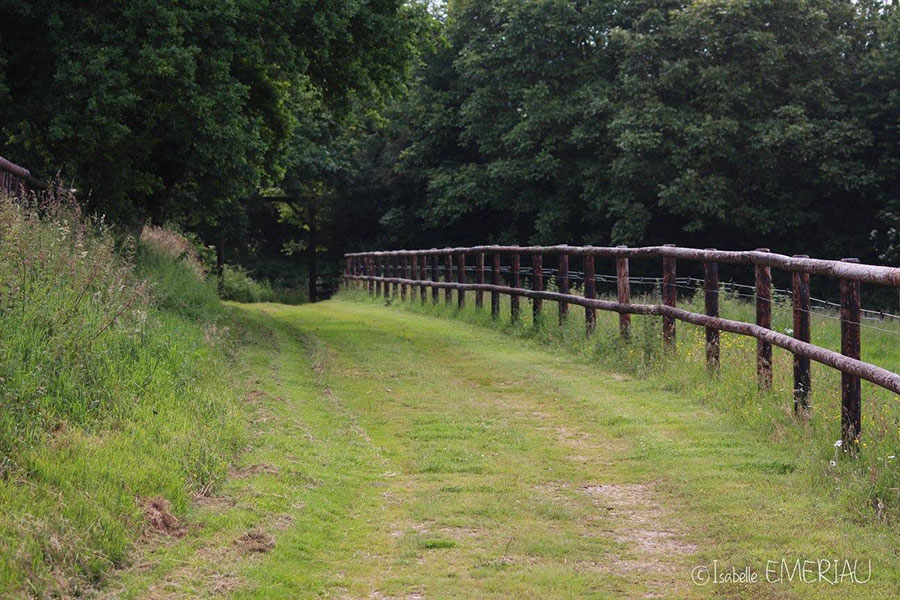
point(314, 128)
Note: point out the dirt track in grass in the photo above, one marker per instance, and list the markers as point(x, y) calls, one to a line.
point(409, 457)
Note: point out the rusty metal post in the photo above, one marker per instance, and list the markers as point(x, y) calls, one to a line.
point(448, 277)
point(479, 279)
point(517, 284)
point(460, 279)
point(590, 291)
point(537, 267)
point(800, 301)
point(711, 302)
point(764, 319)
point(851, 393)
point(495, 280)
point(623, 288)
point(563, 285)
point(435, 276)
point(670, 298)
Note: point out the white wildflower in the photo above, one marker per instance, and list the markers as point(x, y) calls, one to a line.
point(839, 443)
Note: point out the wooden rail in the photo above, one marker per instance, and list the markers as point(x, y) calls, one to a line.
point(850, 272)
point(18, 181)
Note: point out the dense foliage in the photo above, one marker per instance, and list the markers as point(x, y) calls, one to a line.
point(723, 123)
point(179, 110)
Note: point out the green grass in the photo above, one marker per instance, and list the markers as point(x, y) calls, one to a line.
point(871, 479)
point(396, 454)
point(355, 450)
point(111, 392)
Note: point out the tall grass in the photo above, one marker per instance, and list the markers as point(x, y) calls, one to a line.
point(868, 485)
point(111, 390)
point(239, 286)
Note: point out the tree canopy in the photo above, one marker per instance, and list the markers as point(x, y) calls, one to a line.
point(168, 109)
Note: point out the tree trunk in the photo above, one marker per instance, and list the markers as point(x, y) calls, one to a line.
point(312, 264)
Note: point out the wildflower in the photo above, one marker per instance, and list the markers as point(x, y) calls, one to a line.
point(839, 443)
point(788, 331)
point(833, 464)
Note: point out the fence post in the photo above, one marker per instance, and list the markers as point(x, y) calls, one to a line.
point(404, 273)
point(669, 297)
point(802, 377)
point(850, 342)
point(563, 285)
point(764, 319)
point(590, 291)
point(517, 284)
point(414, 275)
point(495, 280)
point(479, 279)
point(537, 267)
point(435, 276)
point(448, 277)
point(370, 271)
point(395, 272)
point(460, 279)
point(379, 272)
point(623, 288)
point(423, 275)
point(711, 301)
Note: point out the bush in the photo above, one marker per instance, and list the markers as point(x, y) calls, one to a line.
point(240, 287)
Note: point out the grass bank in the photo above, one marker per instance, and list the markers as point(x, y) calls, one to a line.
point(114, 404)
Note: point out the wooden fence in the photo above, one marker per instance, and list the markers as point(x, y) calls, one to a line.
point(401, 271)
point(16, 180)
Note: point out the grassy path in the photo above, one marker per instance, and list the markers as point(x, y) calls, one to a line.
point(409, 457)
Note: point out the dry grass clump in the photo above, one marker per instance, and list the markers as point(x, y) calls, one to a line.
point(174, 245)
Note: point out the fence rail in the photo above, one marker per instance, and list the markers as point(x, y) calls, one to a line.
point(390, 273)
point(16, 180)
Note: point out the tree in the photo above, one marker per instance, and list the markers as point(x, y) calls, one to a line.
point(163, 109)
point(734, 124)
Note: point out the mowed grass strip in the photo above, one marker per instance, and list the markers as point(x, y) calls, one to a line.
point(407, 456)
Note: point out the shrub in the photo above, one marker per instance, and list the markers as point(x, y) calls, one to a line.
point(240, 287)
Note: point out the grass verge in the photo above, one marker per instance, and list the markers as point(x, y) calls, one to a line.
point(114, 410)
